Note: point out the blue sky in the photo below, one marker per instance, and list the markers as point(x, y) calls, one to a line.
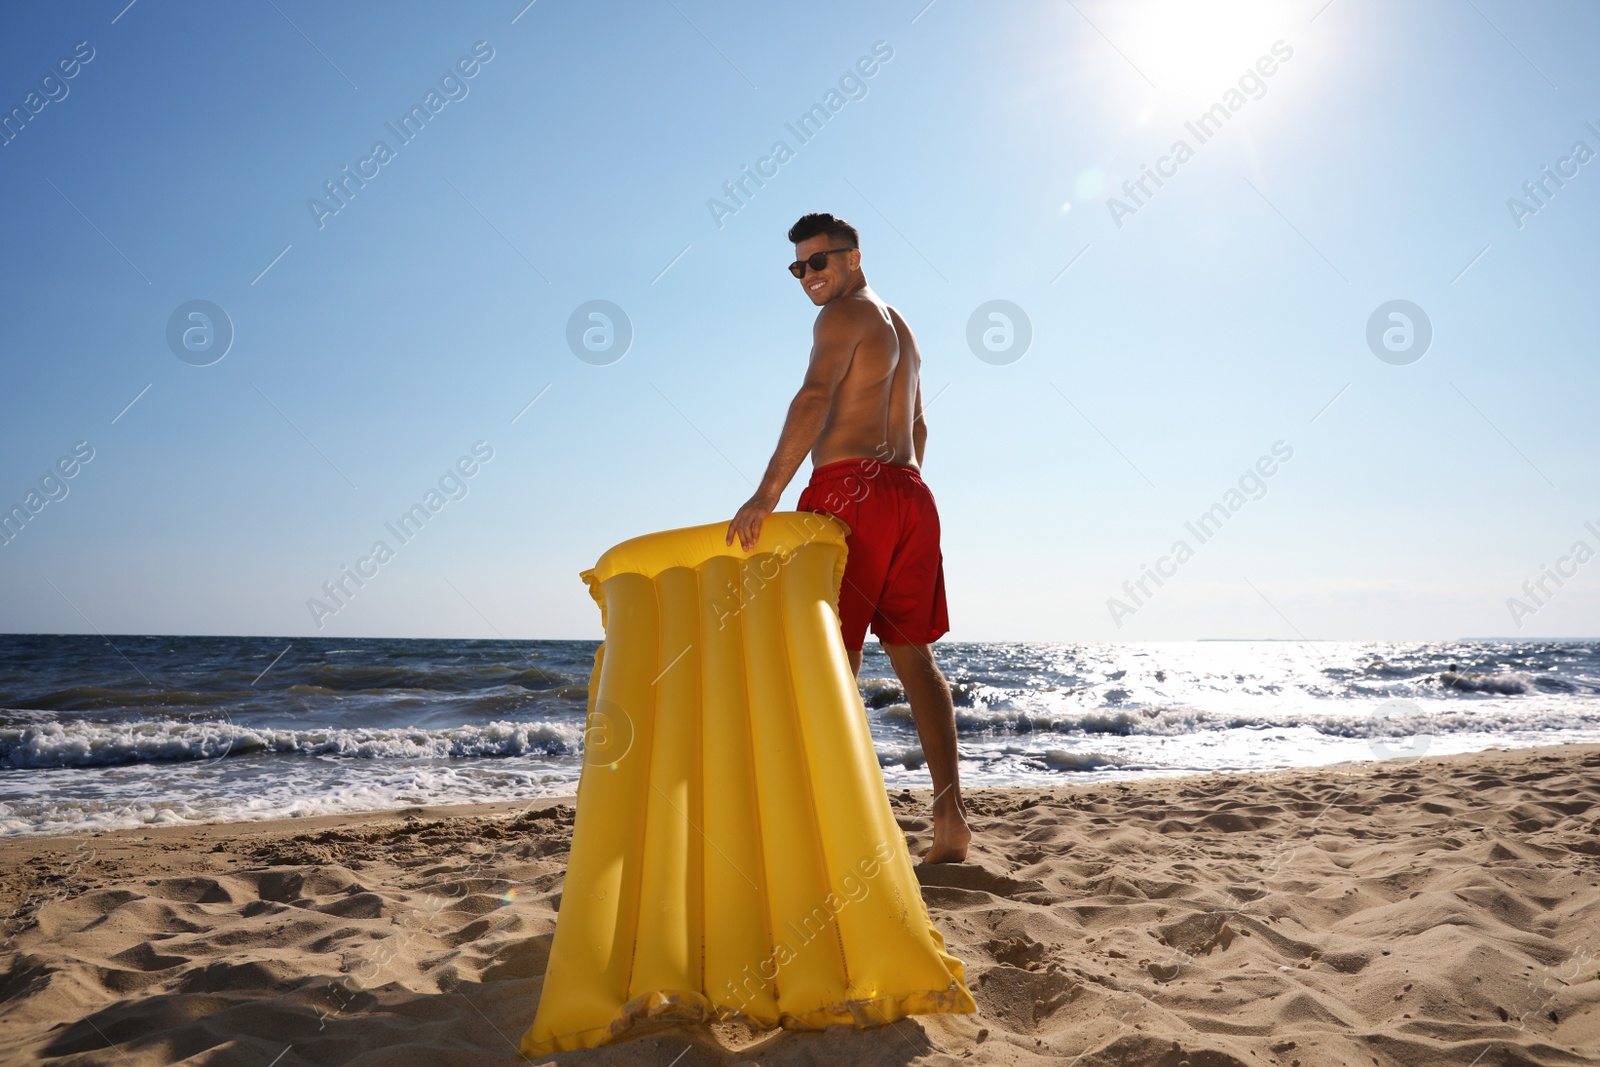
point(1172, 345)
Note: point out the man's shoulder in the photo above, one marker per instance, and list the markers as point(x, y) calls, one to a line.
point(853, 313)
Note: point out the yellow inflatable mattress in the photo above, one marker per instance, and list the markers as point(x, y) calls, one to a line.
point(734, 852)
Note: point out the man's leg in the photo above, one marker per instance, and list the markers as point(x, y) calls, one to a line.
point(935, 715)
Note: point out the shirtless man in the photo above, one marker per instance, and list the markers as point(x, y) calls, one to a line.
point(859, 415)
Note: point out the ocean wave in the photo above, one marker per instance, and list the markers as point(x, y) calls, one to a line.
point(1060, 759)
point(1436, 717)
point(225, 687)
point(439, 678)
point(887, 692)
point(97, 698)
point(95, 701)
point(475, 700)
point(1511, 683)
point(881, 692)
point(88, 744)
point(908, 756)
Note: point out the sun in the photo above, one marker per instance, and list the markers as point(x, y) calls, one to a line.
point(1194, 49)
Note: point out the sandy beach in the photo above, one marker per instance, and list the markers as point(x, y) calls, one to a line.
point(1426, 911)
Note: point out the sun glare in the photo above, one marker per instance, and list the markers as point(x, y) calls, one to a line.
point(1192, 49)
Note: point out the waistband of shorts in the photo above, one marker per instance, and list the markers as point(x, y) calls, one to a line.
point(868, 466)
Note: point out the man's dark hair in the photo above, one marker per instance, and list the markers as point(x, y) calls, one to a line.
point(816, 223)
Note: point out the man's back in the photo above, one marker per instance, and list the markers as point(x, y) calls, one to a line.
point(875, 405)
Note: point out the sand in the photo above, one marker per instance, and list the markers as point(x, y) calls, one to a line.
point(1422, 911)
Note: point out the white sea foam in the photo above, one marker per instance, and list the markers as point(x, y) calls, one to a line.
point(1061, 760)
point(152, 795)
point(96, 744)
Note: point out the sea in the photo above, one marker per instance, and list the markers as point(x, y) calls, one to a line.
point(111, 732)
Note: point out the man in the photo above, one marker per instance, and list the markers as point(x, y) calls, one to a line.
point(859, 415)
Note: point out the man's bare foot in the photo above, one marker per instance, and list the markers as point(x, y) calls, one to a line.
point(951, 836)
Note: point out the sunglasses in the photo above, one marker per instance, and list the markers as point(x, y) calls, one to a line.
point(816, 261)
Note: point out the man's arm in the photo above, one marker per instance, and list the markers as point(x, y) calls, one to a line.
point(833, 346)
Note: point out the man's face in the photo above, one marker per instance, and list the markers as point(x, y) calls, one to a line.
point(822, 286)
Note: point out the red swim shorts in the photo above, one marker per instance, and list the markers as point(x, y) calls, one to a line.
point(894, 573)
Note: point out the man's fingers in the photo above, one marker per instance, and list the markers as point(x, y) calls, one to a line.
point(736, 527)
point(746, 525)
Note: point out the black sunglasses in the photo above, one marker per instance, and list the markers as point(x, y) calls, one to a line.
point(816, 261)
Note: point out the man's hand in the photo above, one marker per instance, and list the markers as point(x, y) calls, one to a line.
point(746, 525)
